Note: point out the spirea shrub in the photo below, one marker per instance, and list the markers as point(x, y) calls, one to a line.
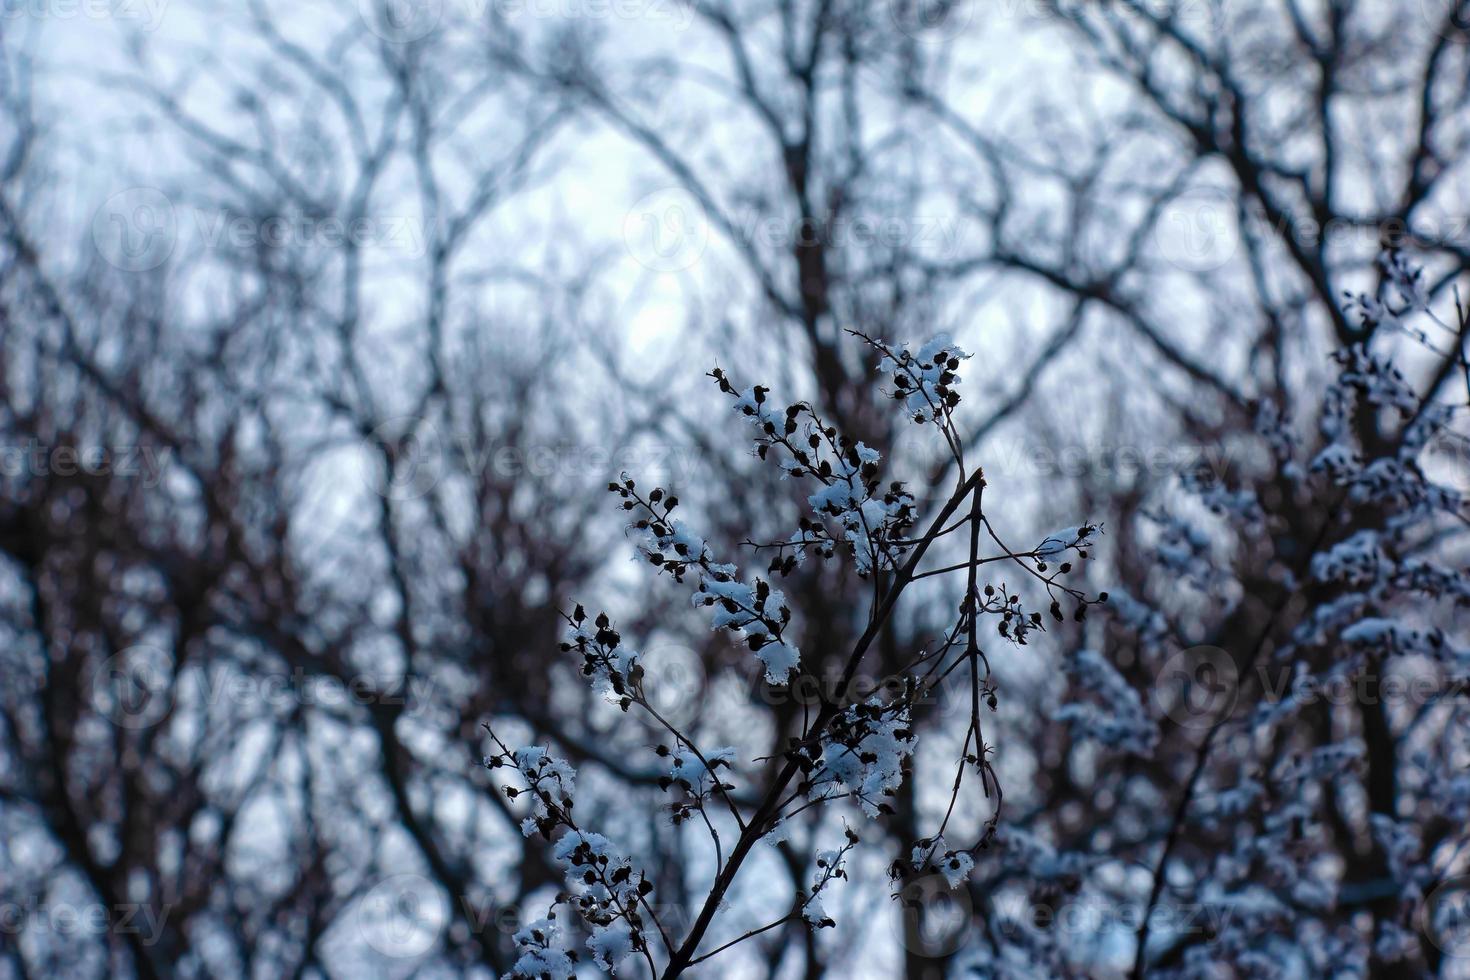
point(853, 754)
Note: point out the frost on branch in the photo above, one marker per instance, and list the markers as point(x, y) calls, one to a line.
point(852, 506)
point(755, 611)
point(1383, 637)
point(698, 777)
point(540, 955)
point(1114, 715)
point(549, 781)
point(606, 889)
point(869, 519)
point(924, 380)
point(830, 867)
point(613, 668)
point(937, 857)
point(1184, 551)
point(1058, 543)
point(1355, 563)
point(862, 755)
point(1372, 376)
point(1404, 279)
point(608, 892)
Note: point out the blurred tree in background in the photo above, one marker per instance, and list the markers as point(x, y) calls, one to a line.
point(324, 327)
